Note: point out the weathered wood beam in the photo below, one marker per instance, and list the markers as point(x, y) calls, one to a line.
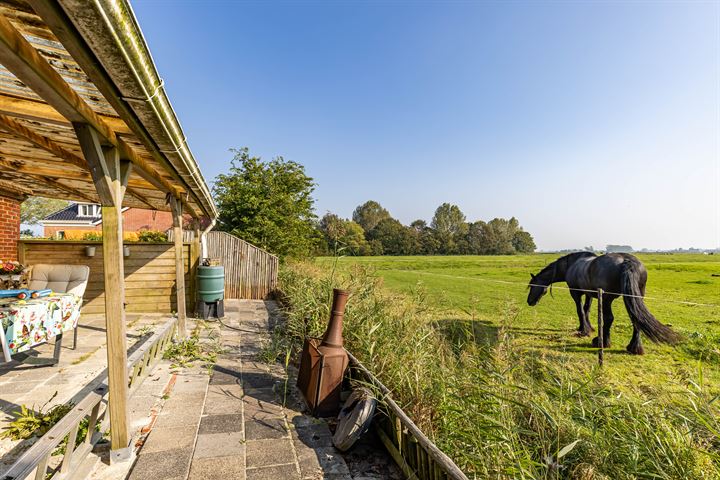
point(42, 112)
point(177, 209)
point(17, 128)
point(13, 126)
point(24, 61)
point(61, 186)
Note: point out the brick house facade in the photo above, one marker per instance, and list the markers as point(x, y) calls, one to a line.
point(9, 226)
point(86, 217)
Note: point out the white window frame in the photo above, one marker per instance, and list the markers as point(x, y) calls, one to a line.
point(87, 210)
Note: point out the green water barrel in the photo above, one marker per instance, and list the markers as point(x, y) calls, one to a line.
point(211, 283)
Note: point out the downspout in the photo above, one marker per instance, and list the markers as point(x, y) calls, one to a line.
point(203, 241)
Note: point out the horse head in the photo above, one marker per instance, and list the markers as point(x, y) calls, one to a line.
point(538, 288)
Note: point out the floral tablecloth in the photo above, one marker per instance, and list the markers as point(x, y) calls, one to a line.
point(27, 323)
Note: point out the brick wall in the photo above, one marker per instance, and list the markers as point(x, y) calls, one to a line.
point(134, 219)
point(9, 227)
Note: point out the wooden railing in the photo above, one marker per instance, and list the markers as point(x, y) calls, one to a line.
point(142, 361)
point(36, 461)
point(418, 457)
point(250, 272)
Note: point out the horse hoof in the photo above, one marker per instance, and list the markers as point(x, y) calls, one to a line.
point(636, 350)
point(596, 343)
point(582, 333)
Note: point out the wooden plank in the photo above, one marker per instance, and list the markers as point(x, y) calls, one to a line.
point(176, 208)
point(42, 112)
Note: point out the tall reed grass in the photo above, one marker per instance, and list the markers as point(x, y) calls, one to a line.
point(501, 411)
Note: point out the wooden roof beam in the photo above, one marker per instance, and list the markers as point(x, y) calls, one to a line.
point(61, 186)
point(42, 112)
point(24, 61)
point(15, 127)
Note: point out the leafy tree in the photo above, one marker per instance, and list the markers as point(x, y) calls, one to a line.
point(473, 241)
point(449, 224)
point(523, 242)
point(345, 234)
point(35, 209)
point(419, 225)
point(268, 204)
point(369, 214)
point(498, 235)
point(395, 238)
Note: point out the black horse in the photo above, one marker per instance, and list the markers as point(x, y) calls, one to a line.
point(615, 273)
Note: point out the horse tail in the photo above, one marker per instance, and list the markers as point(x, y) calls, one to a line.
point(639, 314)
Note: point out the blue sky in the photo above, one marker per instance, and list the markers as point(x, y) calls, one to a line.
point(591, 122)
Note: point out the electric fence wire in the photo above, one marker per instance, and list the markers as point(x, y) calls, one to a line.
point(508, 282)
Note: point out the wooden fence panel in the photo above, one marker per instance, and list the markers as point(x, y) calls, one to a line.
point(250, 272)
point(149, 272)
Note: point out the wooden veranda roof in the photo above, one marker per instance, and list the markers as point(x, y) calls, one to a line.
point(70, 68)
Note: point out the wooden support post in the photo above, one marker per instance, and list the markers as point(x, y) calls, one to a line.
point(194, 264)
point(176, 208)
point(601, 333)
point(110, 175)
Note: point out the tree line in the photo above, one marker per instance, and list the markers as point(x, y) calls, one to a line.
point(270, 204)
point(373, 231)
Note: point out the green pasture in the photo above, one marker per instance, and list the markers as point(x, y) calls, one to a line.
point(471, 291)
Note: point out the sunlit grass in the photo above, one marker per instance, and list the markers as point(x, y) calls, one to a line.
point(506, 389)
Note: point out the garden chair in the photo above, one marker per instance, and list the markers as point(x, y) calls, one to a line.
point(60, 279)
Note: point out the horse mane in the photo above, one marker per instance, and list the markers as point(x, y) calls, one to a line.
point(574, 255)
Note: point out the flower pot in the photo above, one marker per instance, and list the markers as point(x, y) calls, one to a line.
point(126, 251)
point(90, 250)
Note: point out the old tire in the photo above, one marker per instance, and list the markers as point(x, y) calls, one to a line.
point(354, 418)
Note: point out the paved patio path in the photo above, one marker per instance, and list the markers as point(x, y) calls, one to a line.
point(243, 421)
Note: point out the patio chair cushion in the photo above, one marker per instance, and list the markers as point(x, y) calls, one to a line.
point(60, 278)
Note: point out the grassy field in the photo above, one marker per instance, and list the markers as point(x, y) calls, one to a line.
point(507, 390)
point(466, 289)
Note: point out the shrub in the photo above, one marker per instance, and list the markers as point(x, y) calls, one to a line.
point(152, 236)
point(93, 236)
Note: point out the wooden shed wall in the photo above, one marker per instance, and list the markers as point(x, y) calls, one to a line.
point(149, 272)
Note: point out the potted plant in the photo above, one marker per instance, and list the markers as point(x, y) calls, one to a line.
point(11, 271)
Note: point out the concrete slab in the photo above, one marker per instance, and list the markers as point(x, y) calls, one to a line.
point(227, 423)
point(261, 453)
point(220, 445)
point(218, 468)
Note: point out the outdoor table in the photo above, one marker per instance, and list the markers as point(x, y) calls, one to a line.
point(28, 323)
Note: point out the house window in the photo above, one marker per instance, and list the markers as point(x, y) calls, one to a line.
point(60, 234)
point(88, 210)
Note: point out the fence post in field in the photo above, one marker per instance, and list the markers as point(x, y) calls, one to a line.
point(601, 335)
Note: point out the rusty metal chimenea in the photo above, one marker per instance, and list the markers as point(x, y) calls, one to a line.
point(323, 363)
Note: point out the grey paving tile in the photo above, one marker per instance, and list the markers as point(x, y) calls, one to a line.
point(221, 423)
point(261, 453)
point(312, 436)
point(169, 464)
point(284, 472)
point(169, 438)
point(265, 428)
point(220, 445)
point(220, 468)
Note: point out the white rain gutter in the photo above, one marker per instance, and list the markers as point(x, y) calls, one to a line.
point(120, 19)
